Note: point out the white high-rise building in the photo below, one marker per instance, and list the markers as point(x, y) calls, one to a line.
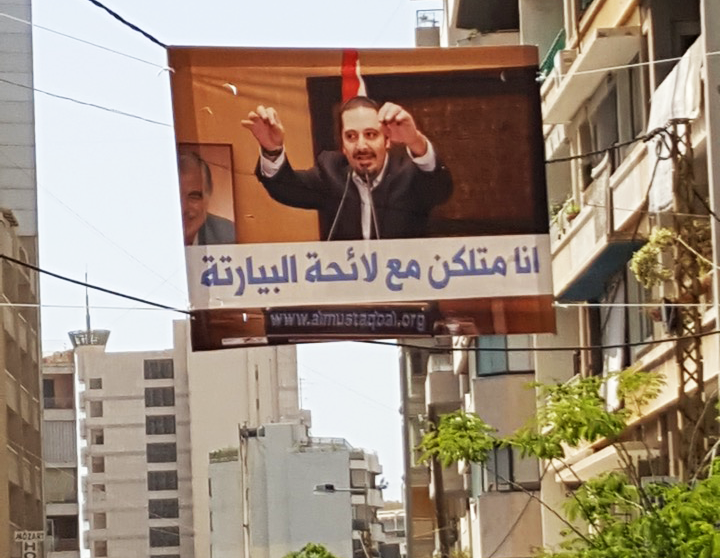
point(282, 489)
point(148, 418)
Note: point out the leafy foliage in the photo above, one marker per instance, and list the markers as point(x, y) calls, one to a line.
point(626, 519)
point(646, 264)
point(311, 550)
point(459, 436)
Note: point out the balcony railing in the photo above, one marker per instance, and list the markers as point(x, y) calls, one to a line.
point(58, 402)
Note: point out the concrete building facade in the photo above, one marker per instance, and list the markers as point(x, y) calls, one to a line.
point(265, 500)
point(147, 416)
point(611, 71)
point(21, 506)
point(60, 451)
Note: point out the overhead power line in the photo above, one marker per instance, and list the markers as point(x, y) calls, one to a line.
point(575, 348)
point(83, 41)
point(84, 103)
point(94, 287)
point(125, 22)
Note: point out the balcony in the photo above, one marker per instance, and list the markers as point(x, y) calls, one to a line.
point(606, 459)
point(442, 391)
point(607, 48)
point(590, 249)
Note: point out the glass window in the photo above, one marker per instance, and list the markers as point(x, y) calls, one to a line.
point(160, 424)
point(498, 354)
point(160, 397)
point(164, 536)
point(164, 508)
point(162, 480)
point(491, 354)
point(158, 369)
point(161, 453)
point(95, 383)
point(100, 520)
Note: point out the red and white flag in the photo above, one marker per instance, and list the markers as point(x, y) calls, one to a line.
point(352, 81)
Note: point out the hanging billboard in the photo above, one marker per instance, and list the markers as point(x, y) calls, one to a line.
point(331, 194)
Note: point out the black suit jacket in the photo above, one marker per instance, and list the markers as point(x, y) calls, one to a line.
point(403, 199)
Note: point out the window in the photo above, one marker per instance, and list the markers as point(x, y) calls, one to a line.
point(96, 409)
point(161, 453)
point(162, 480)
point(100, 520)
point(98, 489)
point(160, 424)
point(95, 383)
point(97, 436)
point(160, 397)
point(97, 465)
point(100, 548)
point(500, 354)
point(165, 555)
point(505, 470)
point(164, 536)
point(164, 508)
point(640, 325)
point(158, 369)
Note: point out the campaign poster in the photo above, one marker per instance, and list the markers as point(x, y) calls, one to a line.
point(341, 194)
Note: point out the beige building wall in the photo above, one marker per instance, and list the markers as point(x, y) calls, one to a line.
point(20, 449)
point(21, 465)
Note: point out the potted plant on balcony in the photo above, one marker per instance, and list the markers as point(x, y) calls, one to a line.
point(570, 209)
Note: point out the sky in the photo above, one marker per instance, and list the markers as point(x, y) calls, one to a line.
point(107, 181)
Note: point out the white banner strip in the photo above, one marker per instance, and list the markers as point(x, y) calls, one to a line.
point(364, 272)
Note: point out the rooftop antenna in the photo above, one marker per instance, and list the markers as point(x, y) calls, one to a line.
point(88, 336)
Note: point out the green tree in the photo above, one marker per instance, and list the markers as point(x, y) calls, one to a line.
point(628, 518)
point(311, 550)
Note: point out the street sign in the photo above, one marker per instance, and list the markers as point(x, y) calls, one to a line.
point(30, 542)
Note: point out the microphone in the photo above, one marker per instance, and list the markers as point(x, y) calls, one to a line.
point(373, 215)
point(342, 202)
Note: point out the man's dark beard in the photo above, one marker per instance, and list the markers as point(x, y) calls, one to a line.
point(365, 173)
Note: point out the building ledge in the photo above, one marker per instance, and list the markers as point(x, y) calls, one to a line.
point(606, 459)
point(609, 47)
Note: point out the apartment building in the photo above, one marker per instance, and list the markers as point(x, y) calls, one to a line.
point(282, 488)
point(147, 416)
point(21, 506)
point(21, 462)
point(612, 72)
point(60, 452)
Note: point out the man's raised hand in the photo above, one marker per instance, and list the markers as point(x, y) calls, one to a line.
point(399, 126)
point(265, 125)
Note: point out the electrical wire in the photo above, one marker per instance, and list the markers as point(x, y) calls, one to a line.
point(85, 103)
point(125, 22)
point(94, 287)
point(644, 138)
point(83, 41)
point(538, 349)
